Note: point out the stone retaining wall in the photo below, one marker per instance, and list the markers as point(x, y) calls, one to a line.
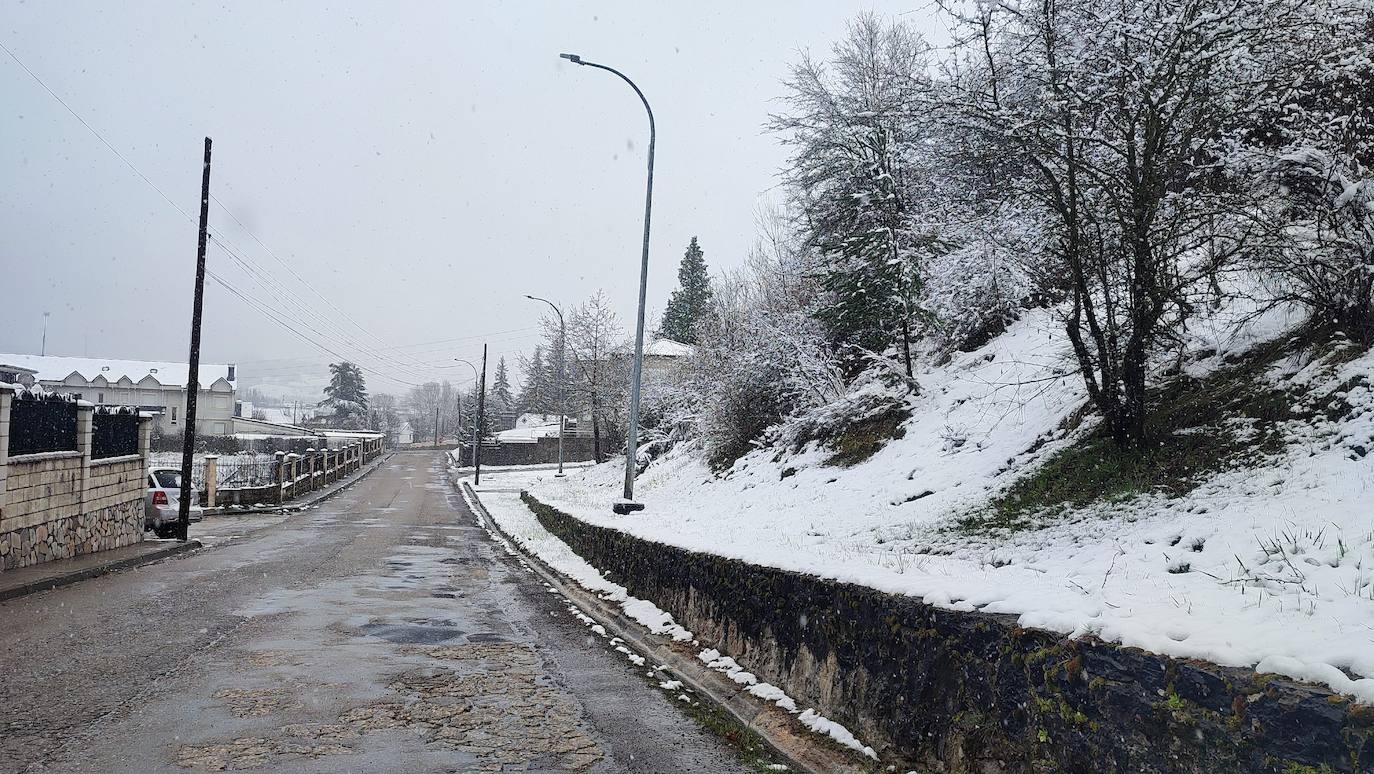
point(934, 688)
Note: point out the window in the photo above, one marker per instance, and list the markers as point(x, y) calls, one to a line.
point(174, 415)
point(100, 397)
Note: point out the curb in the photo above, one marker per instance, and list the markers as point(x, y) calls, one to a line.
point(795, 745)
point(96, 571)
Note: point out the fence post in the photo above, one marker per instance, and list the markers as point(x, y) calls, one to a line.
point(211, 479)
point(6, 397)
point(281, 476)
point(310, 467)
point(85, 413)
point(295, 460)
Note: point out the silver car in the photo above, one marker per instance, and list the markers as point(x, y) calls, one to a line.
point(161, 506)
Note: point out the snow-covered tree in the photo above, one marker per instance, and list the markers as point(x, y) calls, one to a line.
point(346, 395)
point(688, 303)
point(1105, 123)
point(500, 399)
point(597, 378)
point(855, 129)
point(538, 392)
point(1310, 161)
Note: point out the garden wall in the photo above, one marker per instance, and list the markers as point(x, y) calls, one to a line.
point(67, 502)
point(929, 687)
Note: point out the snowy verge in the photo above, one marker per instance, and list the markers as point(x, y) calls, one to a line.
point(517, 521)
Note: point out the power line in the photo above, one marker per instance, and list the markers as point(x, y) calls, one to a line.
point(264, 309)
point(92, 130)
point(255, 272)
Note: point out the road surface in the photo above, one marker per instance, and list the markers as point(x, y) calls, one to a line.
point(382, 631)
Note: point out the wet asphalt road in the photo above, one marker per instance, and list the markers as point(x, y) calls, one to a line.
point(382, 631)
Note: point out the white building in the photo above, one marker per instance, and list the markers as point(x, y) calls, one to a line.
point(158, 388)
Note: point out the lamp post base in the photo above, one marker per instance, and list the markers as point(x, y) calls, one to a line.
point(627, 506)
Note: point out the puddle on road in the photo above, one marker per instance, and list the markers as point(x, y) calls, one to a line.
point(413, 632)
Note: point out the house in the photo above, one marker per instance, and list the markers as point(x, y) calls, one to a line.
point(155, 387)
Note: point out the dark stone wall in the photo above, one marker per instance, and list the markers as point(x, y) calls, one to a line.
point(930, 687)
point(542, 452)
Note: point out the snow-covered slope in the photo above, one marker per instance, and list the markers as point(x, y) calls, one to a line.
point(1271, 566)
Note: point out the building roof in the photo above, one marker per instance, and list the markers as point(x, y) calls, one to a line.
point(668, 348)
point(55, 369)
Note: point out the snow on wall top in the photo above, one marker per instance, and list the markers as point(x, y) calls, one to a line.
point(56, 369)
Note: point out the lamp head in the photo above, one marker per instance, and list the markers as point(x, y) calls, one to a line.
point(574, 58)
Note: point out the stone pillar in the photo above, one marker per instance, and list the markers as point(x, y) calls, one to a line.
point(6, 398)
point(145, 436)
point(310, 466)
point(85, 415)
point(281, 475)
point(211, 479)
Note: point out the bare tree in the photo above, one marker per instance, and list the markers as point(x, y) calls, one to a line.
point(597, 377)
point(1108, 120)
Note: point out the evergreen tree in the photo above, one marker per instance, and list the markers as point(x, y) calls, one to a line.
point(501, 398)
point(346, 394)
point(538, 393)
point(688, 303)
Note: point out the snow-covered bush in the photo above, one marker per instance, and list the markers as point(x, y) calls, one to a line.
point(762, 355)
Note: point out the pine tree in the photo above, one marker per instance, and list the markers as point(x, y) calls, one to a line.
point(688, 303)
point(537, 392)
point(502, 400)
point(346, 393)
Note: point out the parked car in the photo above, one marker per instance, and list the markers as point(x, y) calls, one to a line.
point(161, 506)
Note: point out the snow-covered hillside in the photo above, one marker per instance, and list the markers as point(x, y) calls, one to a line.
point(1269, 564)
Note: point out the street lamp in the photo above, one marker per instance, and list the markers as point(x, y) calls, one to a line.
point(562, 375)
point(475, 419)
point(628, 504)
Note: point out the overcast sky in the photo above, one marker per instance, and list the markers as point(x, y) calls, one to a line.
point(420, 165)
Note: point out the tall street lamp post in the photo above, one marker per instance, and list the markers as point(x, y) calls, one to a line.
point(475, 377)
point(562, 375)
point(628, 504)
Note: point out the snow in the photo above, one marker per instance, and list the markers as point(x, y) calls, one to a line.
point(516, 520)
point(668, 348)
point(55, 368)
point(1270, 567)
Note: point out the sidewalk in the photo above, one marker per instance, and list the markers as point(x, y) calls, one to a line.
point(61, 572)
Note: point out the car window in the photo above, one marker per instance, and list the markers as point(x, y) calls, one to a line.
point(168, 479)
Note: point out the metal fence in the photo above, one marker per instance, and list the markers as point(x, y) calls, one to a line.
point(42, 426)
point(233, 471)
point(113, 434)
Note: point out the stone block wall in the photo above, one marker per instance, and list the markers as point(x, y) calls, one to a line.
point(935, 689)
point(57, 505)
point(544, 451)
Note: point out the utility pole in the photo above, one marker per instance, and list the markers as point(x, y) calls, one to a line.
point(477, 431)
point(44, 350)
point(188, 446)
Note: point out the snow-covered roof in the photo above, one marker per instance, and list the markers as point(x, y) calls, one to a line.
point(529, 428)
point(668, 348)
point(55, 369)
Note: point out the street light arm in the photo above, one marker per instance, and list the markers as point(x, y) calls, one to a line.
point(626, 79)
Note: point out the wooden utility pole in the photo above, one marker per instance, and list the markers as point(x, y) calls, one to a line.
point(477, 431)
point(188, 447)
